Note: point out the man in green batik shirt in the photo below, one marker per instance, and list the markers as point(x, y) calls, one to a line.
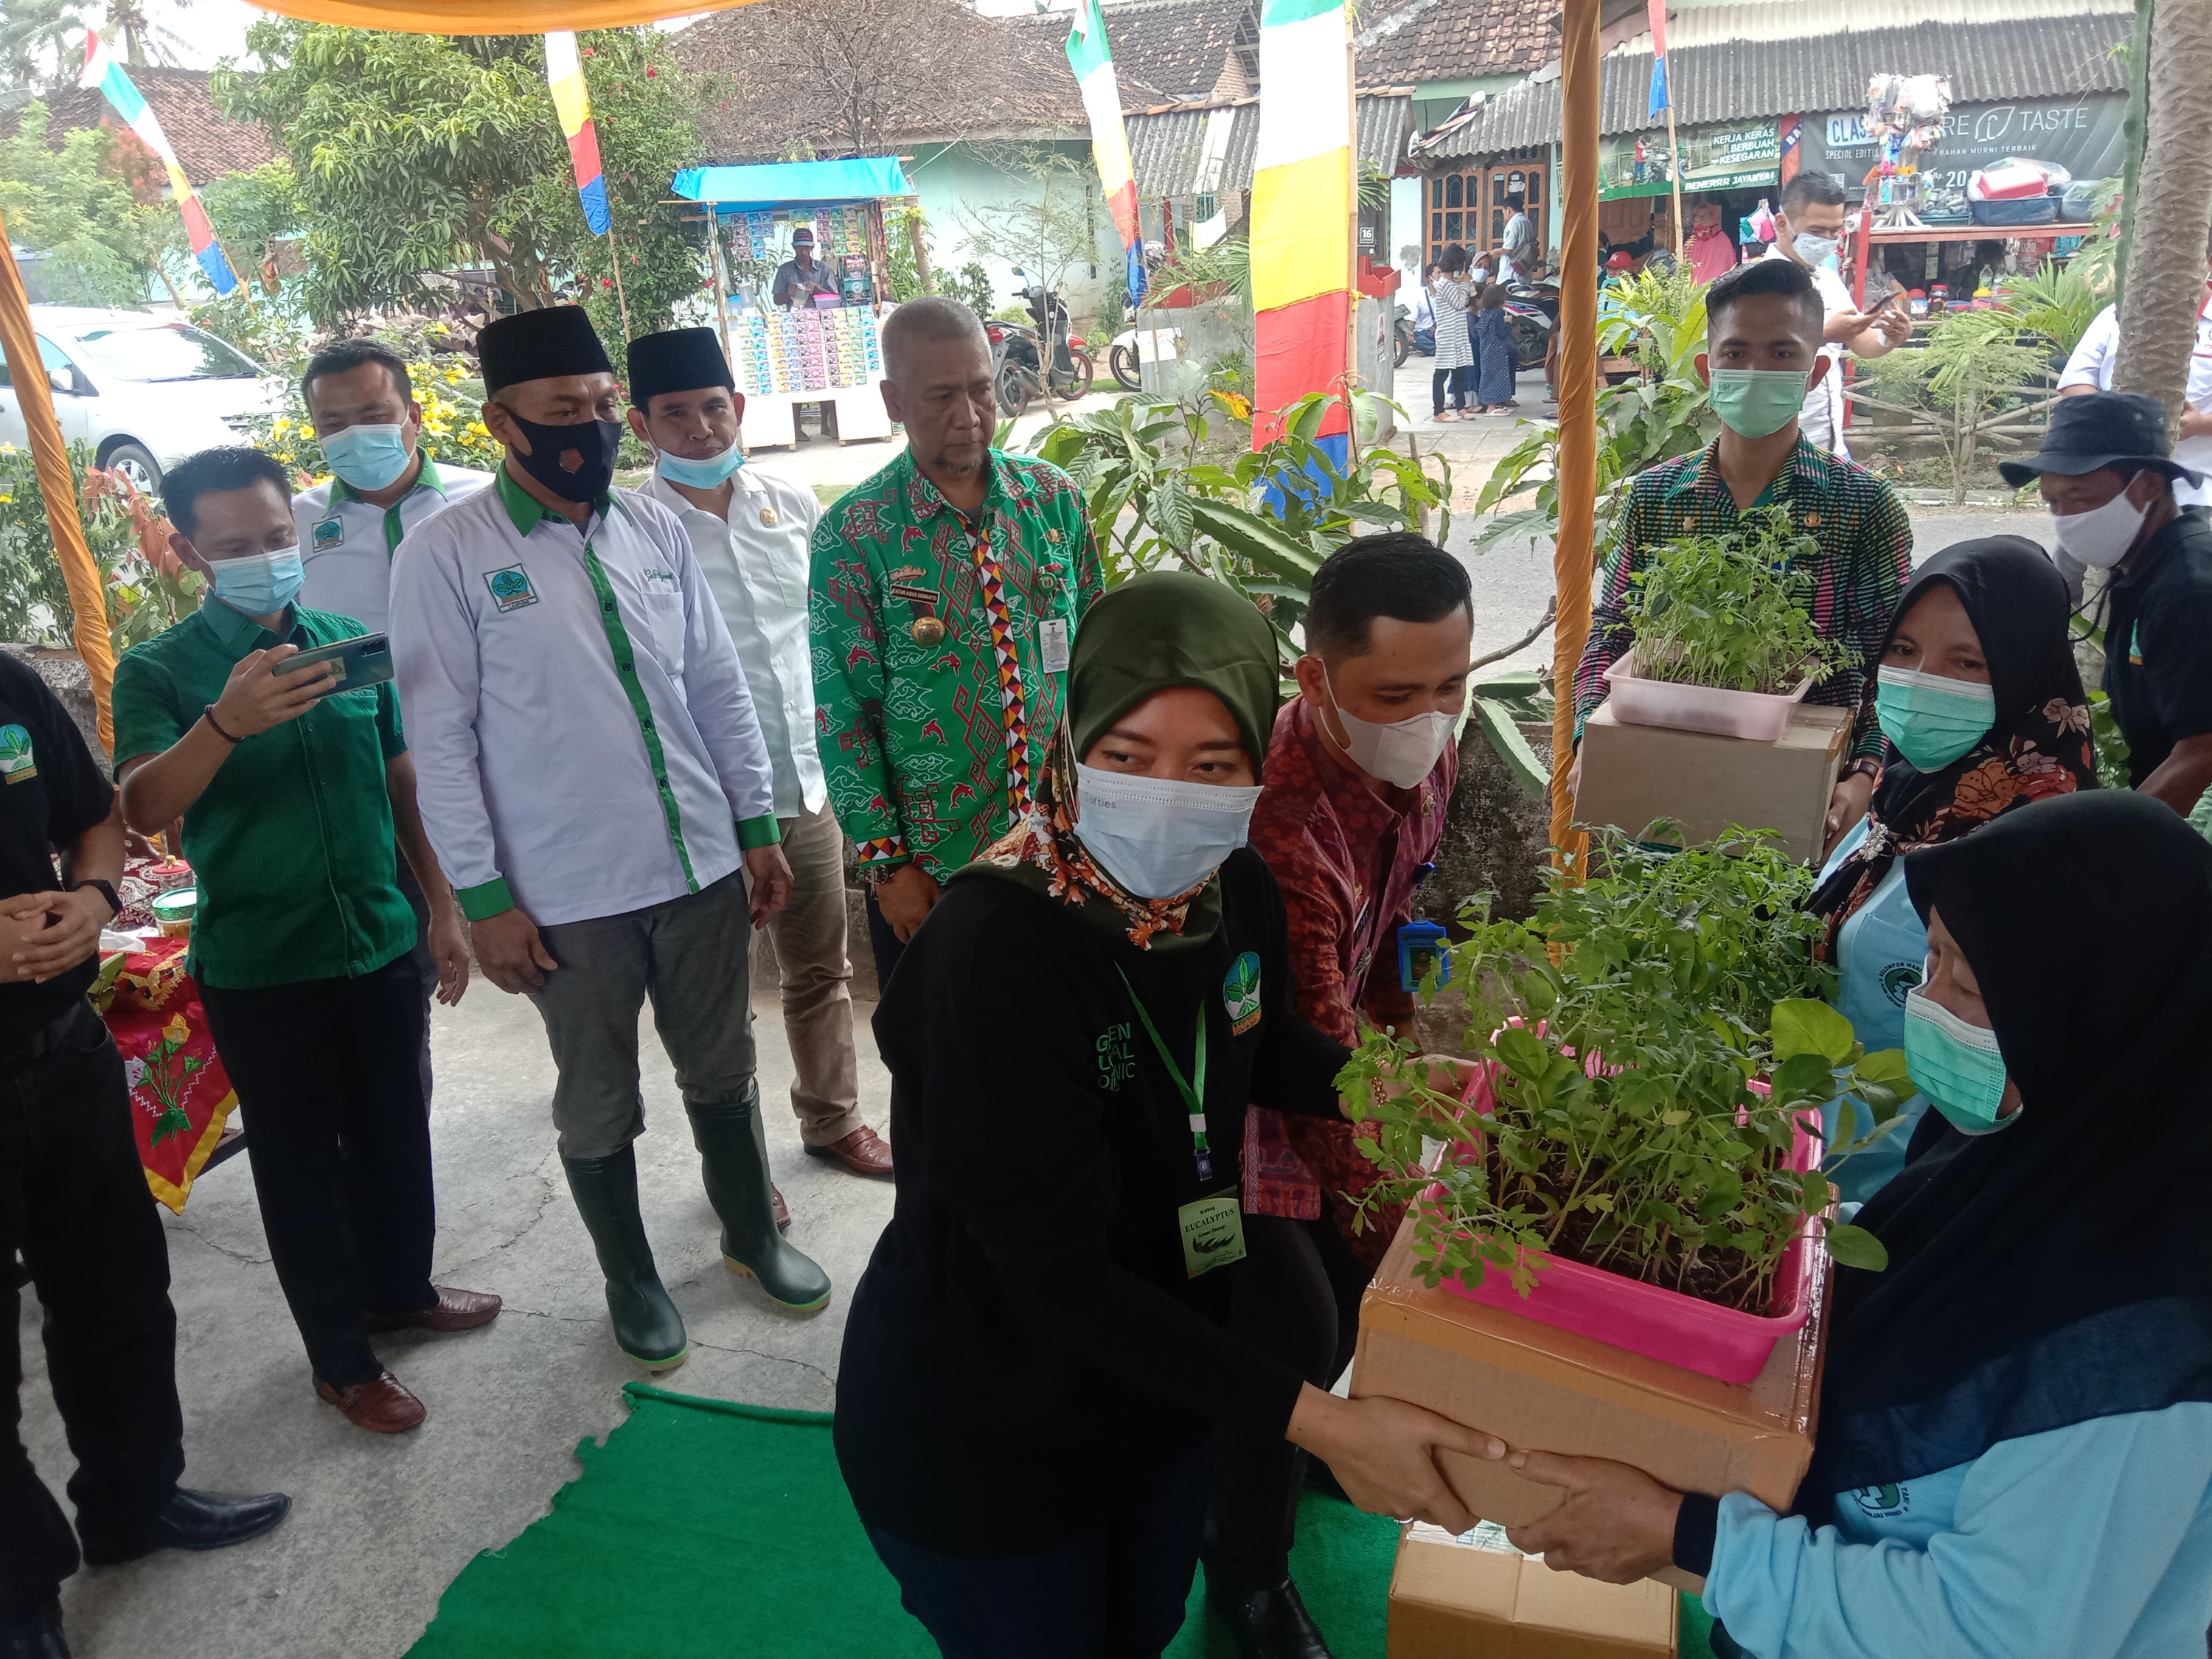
point(942, 603)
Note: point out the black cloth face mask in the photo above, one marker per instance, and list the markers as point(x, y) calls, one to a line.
point(594, 444)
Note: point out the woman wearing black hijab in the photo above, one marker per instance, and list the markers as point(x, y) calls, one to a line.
point(2014, 1452)
point(1979, 696)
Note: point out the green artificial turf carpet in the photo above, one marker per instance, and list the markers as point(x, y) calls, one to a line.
point(704, 1527)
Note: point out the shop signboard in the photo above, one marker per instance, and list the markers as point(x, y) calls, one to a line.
point(1742, 155)
point(2082, 133)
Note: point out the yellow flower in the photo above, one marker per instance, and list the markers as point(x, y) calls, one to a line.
point(284, 424)
point(453, 377)
point(7, 497)
point(7, 449)
point(176, 1030)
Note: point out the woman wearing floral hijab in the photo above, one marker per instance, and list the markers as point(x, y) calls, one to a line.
point(1036, 1361)
point(1977, 694)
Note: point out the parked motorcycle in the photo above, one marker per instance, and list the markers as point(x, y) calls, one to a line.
point(1071, 370)
point(1531, 311)
point(1017, 372)
point(1410, 340)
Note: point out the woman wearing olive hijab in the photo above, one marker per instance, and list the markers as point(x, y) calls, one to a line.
point(2014, 1449)
point(1977, 694)
point(1034, 1359)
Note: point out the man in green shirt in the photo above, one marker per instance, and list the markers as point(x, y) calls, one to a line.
point(291, 791)
point(942, 602)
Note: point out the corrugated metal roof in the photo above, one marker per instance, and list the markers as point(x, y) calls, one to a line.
point(1164, 147)
point(1691, 27)
point(1742, 79)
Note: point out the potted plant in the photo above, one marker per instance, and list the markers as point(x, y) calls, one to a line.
point(1724, 636)
point(1640, 1122)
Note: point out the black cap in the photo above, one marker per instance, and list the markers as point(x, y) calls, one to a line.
point(540, 345)
point(2105, 428)
point(803, 233)
point(677, 360)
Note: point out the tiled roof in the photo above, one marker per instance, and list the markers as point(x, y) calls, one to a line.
point(207, 146)
point(1164, 147)
point(1988, 61)
point(1423, 40)
point(1165, 51)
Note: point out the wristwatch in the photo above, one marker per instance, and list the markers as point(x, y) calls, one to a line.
point(115, 904)
point(1865, 765)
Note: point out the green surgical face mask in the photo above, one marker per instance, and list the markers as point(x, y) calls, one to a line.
point(1932, 718)
point(1955, 1065)
point(1757, 402)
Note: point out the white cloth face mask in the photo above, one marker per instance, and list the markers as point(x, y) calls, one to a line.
point(2102, 535)
point(1158, 837)
point(1400, 753)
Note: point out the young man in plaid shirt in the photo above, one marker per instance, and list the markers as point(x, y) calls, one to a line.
point(1764, 324)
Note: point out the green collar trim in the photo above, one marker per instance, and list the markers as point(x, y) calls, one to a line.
point(235, 631)
point(526, 512)
point(427, 478)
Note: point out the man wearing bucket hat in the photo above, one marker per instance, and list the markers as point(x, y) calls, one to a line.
point(2107, 473)
point(594, 778)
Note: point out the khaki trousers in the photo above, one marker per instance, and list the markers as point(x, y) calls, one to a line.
point(816, 974)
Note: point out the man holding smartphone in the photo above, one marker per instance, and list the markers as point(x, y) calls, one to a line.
point(292, 790)
point(1808, 232)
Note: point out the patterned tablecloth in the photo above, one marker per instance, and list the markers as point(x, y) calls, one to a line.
point(180, 1094)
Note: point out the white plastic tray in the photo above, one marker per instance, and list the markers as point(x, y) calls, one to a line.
point(1758, 716)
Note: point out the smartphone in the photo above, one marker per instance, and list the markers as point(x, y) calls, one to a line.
point(363, 660)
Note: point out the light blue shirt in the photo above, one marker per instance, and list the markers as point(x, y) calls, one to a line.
point(2092, 1541)
point(1881, 953)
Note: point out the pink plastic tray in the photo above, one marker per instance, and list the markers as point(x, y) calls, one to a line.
point(1757, 716)
point(1663, 1324)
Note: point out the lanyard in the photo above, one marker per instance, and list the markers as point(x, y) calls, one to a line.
point(1192, 1089)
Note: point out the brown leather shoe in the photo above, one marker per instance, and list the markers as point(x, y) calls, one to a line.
point(453, 1310)
point(863, 1152)
point(383, 1407)
point(782, 1210)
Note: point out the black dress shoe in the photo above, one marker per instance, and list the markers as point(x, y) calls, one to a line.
point(1270, 1623)
point(34, 1635)
point(192, 1520)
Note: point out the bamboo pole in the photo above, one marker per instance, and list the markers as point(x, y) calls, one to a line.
point(721, 285)
point(87, 593)
point(1674, 166)
point(1577, 480)
point(614, 258)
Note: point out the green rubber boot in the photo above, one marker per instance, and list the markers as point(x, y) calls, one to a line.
point(647, 1327)
point(733, 1155)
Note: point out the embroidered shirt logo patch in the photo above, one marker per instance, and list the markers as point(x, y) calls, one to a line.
point(17, 763)
point(1884, 1501)
point(329, 533)
point(1117, 1057)
point(1240, 994)
point(658, 582)
point(1897, 978)
point(510, 588)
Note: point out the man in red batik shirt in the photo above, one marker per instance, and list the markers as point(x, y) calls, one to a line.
point(1350, 815)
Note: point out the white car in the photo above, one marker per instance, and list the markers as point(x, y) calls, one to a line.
point(143, 390)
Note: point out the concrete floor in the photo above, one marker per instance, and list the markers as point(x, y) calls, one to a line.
point(381, 1525)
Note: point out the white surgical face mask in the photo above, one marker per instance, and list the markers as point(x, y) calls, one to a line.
point(1401, 753)
point(2102, 535)
point(1159, 836)
point(1814, 250)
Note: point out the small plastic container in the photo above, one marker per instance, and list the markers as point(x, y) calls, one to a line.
point(174, 911)
point(1756, 716)
point(1722, 1343)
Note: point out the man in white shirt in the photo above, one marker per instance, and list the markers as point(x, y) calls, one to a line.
point(1519, 255)
point(382, 486)
point(749, 530)
point(1809, 229)
point(593, 775)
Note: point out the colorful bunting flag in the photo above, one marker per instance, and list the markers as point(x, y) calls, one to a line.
point(1092, 59)
point(572, 102)
point(1302, 209)
point(103, 72)
point(1656, 10)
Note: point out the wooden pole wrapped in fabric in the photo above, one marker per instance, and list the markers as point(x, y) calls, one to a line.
point(88, 595)
point(2172, 210)
point(1572, 554)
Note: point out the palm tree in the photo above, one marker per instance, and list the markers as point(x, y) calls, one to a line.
point(2173, 208)
point(40, 41)
point(130, 25)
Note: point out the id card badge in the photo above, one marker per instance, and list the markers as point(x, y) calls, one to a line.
point(1212, 1233)
point(1052, 645)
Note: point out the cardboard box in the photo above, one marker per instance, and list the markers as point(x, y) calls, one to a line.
point(1542, 1389)
point(1634, 774)
point(1477, 1597)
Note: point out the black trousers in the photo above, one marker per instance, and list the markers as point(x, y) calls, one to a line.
point(425, 964)
point(325, 1072)
point(1297, 1298)
point(73, 1200)
point(883, 944)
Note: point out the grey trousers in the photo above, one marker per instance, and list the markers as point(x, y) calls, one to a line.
point(689, 955)
point(817, 974)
